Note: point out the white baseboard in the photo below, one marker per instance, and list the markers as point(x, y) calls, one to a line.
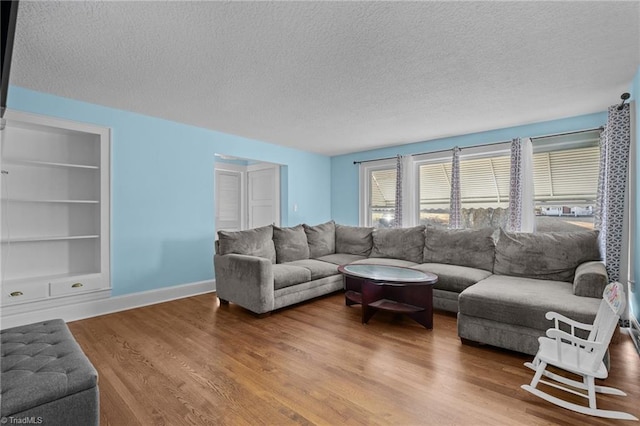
point(109, 305)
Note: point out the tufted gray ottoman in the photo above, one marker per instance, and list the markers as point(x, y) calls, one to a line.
point(46, 378)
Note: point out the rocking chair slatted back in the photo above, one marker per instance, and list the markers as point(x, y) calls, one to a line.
point(583, 357)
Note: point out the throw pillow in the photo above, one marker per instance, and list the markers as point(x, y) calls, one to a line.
point(321, 239)
point(354, 240)
point(291, 244)
point(474, 248)
point(545, 255)
point(399, 243)
point(252, 242)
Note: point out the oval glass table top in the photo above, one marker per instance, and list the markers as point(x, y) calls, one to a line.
point(387, 273)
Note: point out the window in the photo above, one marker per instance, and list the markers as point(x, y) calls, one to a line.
point(565, 179)
point(379, 193)
point(484, 187)
point(565, 173)
point(565, 183)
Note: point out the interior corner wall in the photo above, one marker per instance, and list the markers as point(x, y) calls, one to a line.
point(162, 189)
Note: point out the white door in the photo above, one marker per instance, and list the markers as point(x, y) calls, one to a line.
point(263, 193)
point(228, 200)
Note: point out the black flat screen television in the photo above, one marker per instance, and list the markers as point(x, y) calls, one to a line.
point(9, 17)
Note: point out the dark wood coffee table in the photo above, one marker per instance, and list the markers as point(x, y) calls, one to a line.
point(390, 288)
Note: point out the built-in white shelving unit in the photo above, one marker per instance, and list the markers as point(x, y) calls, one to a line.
point(54, 212)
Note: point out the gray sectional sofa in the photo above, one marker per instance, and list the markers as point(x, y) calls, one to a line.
point(500, 284)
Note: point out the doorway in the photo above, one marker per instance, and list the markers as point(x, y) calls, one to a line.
point(247, 193)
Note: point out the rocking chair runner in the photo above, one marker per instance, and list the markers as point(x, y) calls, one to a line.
point(583, 357)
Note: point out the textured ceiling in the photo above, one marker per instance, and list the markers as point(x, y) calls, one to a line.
point(333, 77)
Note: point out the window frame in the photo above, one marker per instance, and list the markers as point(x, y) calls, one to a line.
point(445, 156)
point(365, 186)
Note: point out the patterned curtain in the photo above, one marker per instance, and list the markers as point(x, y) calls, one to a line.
point(514, 221)
point(602, 168)
point(397, 220)
point(455, 206)
point(521, 215)
point(612, 184)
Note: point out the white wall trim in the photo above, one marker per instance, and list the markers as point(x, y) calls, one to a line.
point(110, 305)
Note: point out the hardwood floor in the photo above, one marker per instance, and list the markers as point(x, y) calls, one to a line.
point(192, 362)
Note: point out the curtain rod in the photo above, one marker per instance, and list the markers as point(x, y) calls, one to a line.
point(431, 152)
point(486, 144)
point(601, 128)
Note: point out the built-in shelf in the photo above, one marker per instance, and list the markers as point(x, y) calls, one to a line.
point(55, 199)
point(31, 200)
point(47, 278)
point(26, 162)
point(58, 238)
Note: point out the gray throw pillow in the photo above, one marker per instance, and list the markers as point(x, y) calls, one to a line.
point(474, 248)
point(252, 242)
point(321, 239)
point(399, 243)
point(354, 240)
point(545, 255)
point(291, 244)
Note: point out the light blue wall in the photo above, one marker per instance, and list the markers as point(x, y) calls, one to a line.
point(162, 220)
point(635, 299)
point(344, 174)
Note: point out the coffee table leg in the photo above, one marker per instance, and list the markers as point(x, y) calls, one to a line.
point(352, 284)
point(423, 297)
point(371, 292)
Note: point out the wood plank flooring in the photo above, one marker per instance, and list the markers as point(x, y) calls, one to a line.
point(192, 362)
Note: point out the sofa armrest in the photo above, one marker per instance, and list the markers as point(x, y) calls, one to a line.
point(590, 280)
point(245, 280)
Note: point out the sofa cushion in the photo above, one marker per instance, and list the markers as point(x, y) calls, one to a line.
point(545, 255)
point(590, 280)
point(385, 262)
point(474, 248)
point(291, 244)
point(525, 301)
point(341, 258)
point(321, 239)
point(399, 243)
point(252, 242)
point(318, 268)
point(354, 240)
point(285, 275)
point(453, 277)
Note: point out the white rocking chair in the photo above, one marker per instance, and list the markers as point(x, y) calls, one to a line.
point(579, 356)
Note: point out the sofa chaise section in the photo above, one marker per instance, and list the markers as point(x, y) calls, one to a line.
point(534, 274)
